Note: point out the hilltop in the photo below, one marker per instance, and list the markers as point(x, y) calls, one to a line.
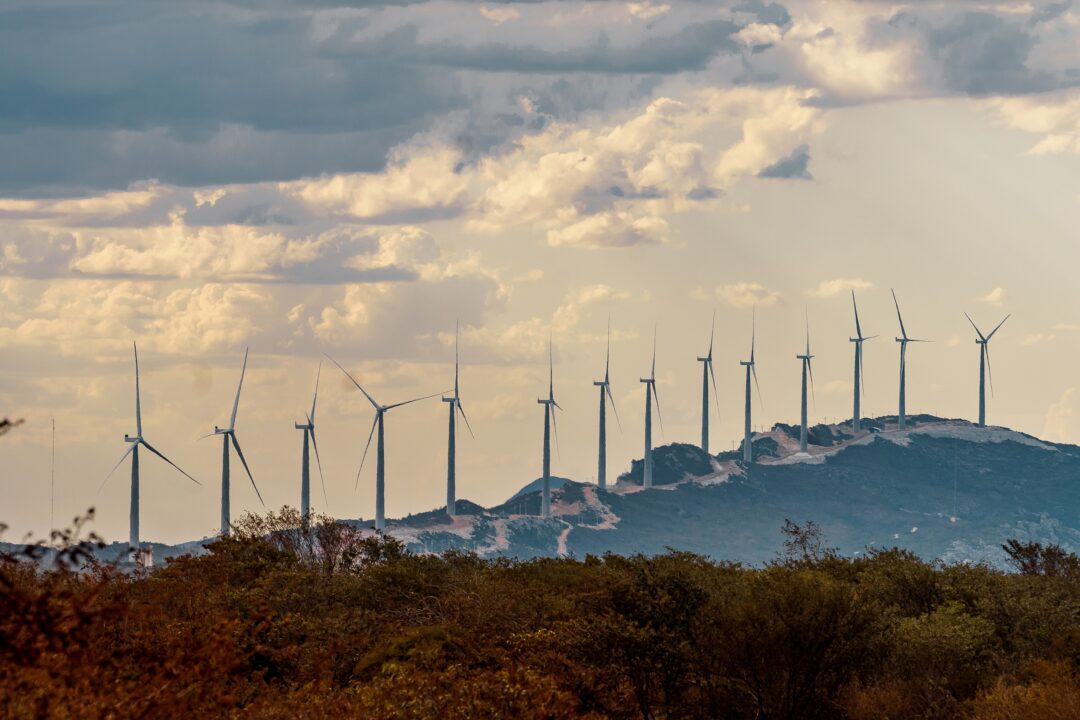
point(942, 488)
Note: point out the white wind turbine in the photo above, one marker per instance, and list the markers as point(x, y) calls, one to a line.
point(229, 435)
point(451, 445)
point(305, 469)
point(133, 450)
point(380, 448)
point(651, 396)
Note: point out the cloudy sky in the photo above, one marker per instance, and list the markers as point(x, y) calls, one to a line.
point(309, 176)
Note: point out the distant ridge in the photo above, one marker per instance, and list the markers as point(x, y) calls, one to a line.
point(944, 489)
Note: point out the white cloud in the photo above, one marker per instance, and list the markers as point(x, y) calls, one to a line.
point(760, 34)
point(418, 178)
point(830, 288)
point(1055, 116)
point(614, 184)
point(610, 229)
point(104, 206)
point(208, 196)
point(832, 46)
point(499, 15)
point(742, 294)
point(646, 10)
point(1059, 425)
point(995, 296)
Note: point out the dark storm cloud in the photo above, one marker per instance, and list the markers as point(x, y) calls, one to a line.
point(981, 53)
point(793, 167)
point(98, 95)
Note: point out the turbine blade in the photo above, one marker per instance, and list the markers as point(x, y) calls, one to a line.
point(366, 448)
point(977, 331)
point(858, 327)
point(457, 334)
point(208, 435)
point(611, 399)
point(653, 373)
point(315, 398)
point(810, 369)
point(903, 332)
point(989, 372)
point(358, 385)
point(236, 403)
point(391, 407)
point(716, 393)
point(318, 461)
point(154, 450)
point(607, 359)
point(138, 397)
point(862, 372)
point(712, 334)
point(243, 460)
point(555, 428)
point(551, 369)
point(463, 417)
point(807, 313)
point(753, 334)
point(998, 327)
point(753, 371)
point(659, 417)
point(118, 464)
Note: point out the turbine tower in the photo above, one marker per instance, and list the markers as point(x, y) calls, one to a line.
point(901, 414)
point(305, 470)
point(605, 390)
point(549, 424)
point(133, 451)
point(380, 454)
point(751, 369)
point(229, 434)
point(650, 396)
point(806, 369)
point(451, 446)
point(860, 376)
point(983, 341)
point(707, 372)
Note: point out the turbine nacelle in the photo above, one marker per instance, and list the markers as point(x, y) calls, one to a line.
point(132, 438)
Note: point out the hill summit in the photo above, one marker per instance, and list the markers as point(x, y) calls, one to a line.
point(944, 489)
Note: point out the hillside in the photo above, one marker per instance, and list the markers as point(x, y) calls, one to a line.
point(941, 488)
point(944, 489)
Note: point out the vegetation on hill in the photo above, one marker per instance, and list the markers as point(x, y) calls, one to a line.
point(286, 619)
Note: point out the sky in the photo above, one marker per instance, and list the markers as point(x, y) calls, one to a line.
point(353, 178)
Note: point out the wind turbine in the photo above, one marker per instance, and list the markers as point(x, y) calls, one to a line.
point(451, 447)
point(229, 434)
point(984, 365)
point(806, 369)
point(650, 396)
point(309, 439)
point(903, 340)
point(549, 423)
point(707, 371)
point(860, 379)
point(380, 454)
point(133, 450)
point(605, 389)
point(751, 369)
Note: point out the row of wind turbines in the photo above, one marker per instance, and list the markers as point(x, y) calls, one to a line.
point(230, 443)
